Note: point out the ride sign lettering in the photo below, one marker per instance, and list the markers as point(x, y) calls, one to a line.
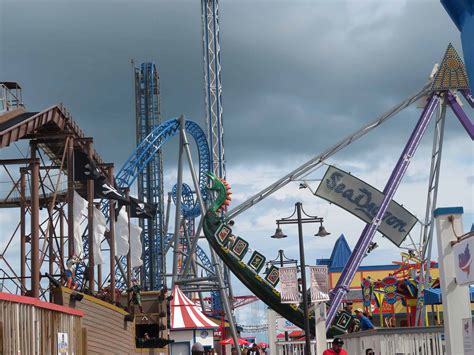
point(363, 201)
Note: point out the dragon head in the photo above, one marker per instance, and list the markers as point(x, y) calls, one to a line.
point(223, 194)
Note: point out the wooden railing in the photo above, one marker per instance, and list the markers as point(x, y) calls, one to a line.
point(406, 341)
point(30, 326)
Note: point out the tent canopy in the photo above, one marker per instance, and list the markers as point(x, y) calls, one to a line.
point(434, 296)
point(186, 315)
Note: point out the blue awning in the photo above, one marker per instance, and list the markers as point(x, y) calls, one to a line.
point(433, 295)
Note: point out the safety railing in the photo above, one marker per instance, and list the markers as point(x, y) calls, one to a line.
point(296, 347)
point(407, 341)
point(10, 96)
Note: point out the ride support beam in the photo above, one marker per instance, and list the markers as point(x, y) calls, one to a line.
point(318, 160)
point(460, 114)
point(343, 284)
point(179, 189)
point(23, 229)
point(426, 238)
point(217, 268)
point(34, 191)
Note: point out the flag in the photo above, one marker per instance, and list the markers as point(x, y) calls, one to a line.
point(99, 228)
point(121, 233)
point(142, 209)
point(135, 246)
point(102, 189)
point(79, 206)
point(84, 167)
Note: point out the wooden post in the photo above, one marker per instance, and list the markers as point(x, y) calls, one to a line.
point(50, 250)
point(23, 230)
point(90, 224)
point(110, 172)
point(61, 240)
point(70, 197)
point(34, 193)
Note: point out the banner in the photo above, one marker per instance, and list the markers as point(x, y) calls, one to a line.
point(135, 246)
point(319, 283)
point(79, 208)
point(121, 233)
point(99, 227)
point(363, 201)
point(463, 265)
point(289, 285)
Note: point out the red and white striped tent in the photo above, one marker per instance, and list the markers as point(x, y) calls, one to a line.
point(186, 315)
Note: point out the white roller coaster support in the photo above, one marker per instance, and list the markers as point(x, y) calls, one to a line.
point(217, 267)
point(316, 162)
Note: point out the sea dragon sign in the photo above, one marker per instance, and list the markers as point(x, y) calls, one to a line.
point(363, 201)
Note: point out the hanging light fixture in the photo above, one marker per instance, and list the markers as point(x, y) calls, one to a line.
point(322, 231)
point(278, 234)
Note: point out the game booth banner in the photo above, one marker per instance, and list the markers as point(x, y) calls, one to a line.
point(363, 201)
point(463, 261)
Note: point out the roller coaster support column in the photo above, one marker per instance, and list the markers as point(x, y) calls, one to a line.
point(217, 267)
point(368, 233)
point(179, 188)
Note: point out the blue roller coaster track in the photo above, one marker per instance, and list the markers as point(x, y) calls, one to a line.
point(145, 152)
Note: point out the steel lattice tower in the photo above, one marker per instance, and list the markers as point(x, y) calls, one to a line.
point(150, 180)
point(213, 89)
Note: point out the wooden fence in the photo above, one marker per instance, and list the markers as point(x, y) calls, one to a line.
point(404, 341)
point(29, 326)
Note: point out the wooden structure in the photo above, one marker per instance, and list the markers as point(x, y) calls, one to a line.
point(108, 329)
point(30, 326)
point(44, 180)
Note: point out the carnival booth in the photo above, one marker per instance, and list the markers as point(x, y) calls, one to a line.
point(189, 325)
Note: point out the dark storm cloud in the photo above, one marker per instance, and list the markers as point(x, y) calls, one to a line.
point(297, 76)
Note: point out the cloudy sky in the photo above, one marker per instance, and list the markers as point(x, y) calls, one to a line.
point(297, 77)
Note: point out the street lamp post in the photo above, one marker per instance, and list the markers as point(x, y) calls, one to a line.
point(282, 260)
point(321, 233)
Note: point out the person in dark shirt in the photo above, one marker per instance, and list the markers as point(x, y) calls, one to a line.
point(365, 323)
point(254, 350)
point(337, 344)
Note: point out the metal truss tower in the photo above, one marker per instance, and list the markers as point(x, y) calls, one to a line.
point(213, 89)
point(150, 179)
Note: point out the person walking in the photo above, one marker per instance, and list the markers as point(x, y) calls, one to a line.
point(254, 350)
point(336, 348)
point(197, 349)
